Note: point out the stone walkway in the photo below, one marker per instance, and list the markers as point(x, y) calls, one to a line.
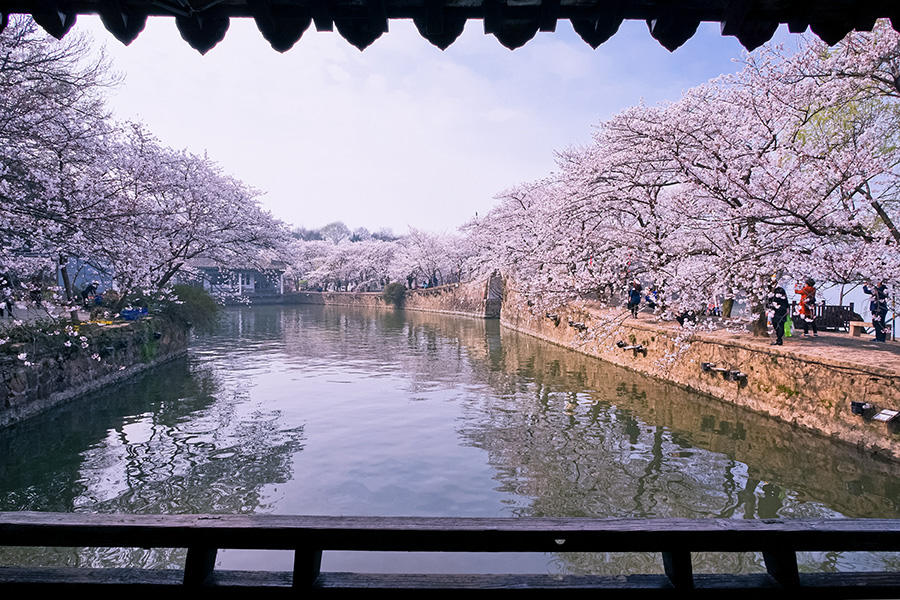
point(832, 346)
point(25, 315)
point(829, 346)
point(31, 314)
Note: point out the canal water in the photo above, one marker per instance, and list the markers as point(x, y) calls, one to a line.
point(340, 411)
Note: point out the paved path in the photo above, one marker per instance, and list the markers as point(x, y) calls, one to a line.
point(832, 346)
point(31, 313)
point(838, 347)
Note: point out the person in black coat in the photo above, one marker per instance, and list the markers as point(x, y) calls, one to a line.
point(778, 304)
point(879, 308)
point(634, 298)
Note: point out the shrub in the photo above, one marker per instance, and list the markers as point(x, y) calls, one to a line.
point(394, 294)
point(192, 306)
point(31, 335)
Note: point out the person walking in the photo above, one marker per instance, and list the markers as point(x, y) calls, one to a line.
point(652, 298)
point(634, 298)
point(807, 306)
point(778, 304)
point(878, 307)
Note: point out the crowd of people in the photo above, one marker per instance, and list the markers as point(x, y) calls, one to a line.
point(782, 323)
point(779, 308)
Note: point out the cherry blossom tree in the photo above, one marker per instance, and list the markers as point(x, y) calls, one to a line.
point(371, 264)
point(52, 117)
point(176, 207)
point(346, 266)
point(422, 256)
point(335, 232)
point(785, 169)
point(74, 183)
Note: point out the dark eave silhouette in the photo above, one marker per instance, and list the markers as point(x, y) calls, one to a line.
point(203, 23)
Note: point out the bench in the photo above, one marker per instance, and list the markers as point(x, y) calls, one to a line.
point(856, 327)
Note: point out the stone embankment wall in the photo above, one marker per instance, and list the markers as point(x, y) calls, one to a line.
point(480, 299)
point(472, 299)
point(809, 392)
point(58, 374)
point(357, 299)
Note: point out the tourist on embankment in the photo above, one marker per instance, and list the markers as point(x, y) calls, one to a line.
point(634, 298)
point(807, 306)
point(652, 298)
point(778, 304)
point(878, 307)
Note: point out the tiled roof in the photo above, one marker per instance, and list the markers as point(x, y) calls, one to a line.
point(204, 23)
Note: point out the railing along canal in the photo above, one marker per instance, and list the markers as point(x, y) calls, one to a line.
point(308, 537)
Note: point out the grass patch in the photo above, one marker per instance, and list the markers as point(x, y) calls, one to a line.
point(786, 391)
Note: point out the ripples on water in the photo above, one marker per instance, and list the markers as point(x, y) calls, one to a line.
point(324, 410)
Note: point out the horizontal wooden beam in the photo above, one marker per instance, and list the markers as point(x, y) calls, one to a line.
point(444, 534)
point(308, 536)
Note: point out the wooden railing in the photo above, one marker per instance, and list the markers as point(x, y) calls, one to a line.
point(308, 537)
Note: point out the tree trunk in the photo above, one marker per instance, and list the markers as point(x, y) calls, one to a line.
point(168, 275)
point(886, 219)
point(760, 326)
point(727, 305)
point(67, 284)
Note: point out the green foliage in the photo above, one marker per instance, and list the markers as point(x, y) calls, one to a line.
point(192, 306)
point(149, 350)
point(786, 391)
point(33, 334)
point(394, 294)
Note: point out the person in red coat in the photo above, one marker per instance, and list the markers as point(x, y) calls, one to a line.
point(807, 306)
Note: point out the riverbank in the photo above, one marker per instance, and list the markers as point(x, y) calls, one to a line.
point(52, 373)
point(479, 299)
point(809, 383)
point(414, 412)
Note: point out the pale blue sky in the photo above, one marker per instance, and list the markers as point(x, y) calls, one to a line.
point(402, 133)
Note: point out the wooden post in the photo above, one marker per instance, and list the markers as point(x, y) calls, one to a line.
point(307, 564)
point(782, 566)
point(199, 565)
point(679, 569)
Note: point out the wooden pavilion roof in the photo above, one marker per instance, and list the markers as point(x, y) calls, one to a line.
point(203, 23)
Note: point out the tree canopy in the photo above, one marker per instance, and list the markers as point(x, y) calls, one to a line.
point(76, 183)
point(788, 168)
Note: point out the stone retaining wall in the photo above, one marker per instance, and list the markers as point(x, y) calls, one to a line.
point(358, 299)
point(811, 393)
point(473, 299)
point(59, 374)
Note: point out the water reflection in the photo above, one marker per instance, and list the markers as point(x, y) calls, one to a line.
point(329, 410)
point(626, 446)
point(167, 442)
